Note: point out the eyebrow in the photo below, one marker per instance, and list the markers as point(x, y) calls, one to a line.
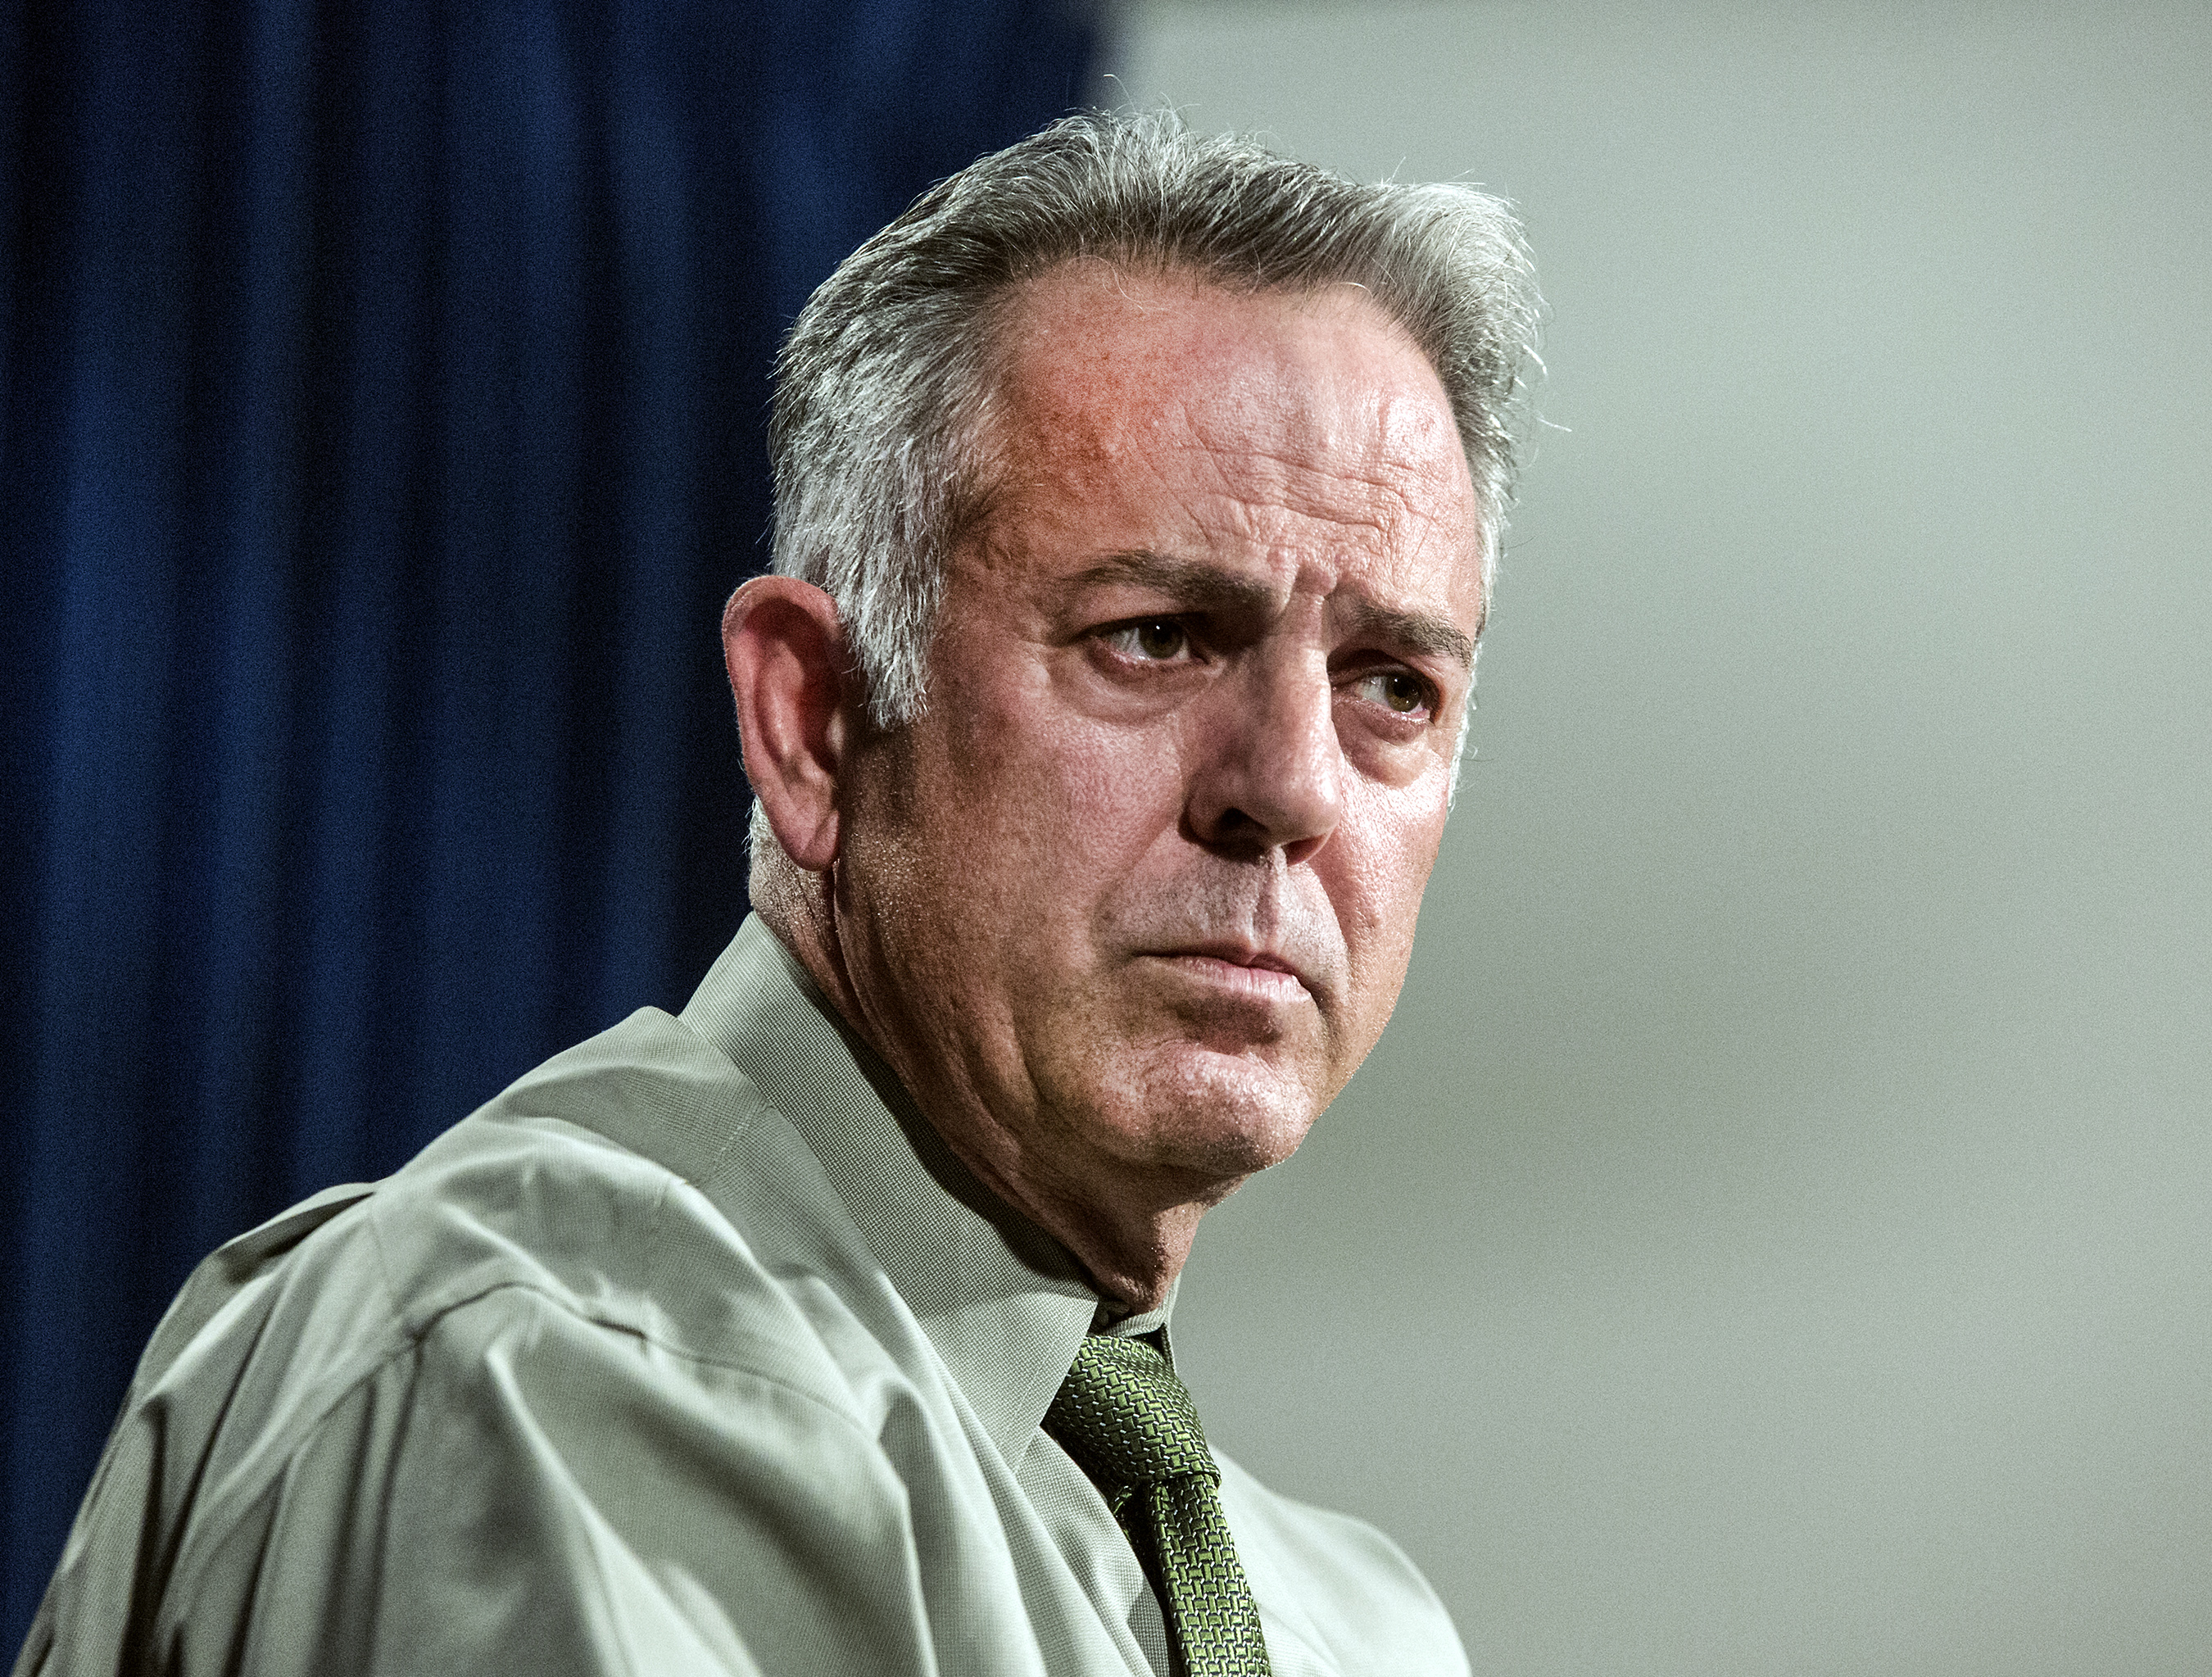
point(1210, 587)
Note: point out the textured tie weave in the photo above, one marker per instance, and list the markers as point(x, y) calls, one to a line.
point(1129, 1424)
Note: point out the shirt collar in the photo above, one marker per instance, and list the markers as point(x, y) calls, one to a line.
point(1002, 1301)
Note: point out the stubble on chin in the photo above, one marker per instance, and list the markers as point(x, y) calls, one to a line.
point(1200, 1097)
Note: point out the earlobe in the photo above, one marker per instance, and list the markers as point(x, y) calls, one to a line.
point(784, 647)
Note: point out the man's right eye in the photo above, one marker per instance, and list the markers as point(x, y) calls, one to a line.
point(1154, 640)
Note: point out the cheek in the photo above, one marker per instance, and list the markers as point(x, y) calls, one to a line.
point(1070, 793)
point(1389, 844)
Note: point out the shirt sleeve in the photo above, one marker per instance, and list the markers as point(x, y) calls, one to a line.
point(521, 1488)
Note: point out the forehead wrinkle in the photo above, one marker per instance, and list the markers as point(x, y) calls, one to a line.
point(1279, 486)
point(1405, 485)
point(1401, 515)
point(1398, 509)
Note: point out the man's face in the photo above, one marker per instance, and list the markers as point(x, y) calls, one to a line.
point(1138, 891)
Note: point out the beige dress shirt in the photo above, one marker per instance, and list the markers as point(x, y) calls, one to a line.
point(694, 1351)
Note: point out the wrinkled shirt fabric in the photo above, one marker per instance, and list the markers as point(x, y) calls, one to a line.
point(693, 1352)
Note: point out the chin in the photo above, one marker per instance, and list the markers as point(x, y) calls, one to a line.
point(1218, 1115)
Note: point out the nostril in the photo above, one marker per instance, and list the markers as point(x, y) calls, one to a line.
point(1234, 823)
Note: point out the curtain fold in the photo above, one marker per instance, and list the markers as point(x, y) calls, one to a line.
point(382, 395)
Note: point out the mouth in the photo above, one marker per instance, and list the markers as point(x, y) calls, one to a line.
point(1258, 974)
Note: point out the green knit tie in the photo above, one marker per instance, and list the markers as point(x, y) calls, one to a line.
point(1129, 1424)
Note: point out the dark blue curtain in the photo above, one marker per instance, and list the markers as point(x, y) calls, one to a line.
point(382, 387)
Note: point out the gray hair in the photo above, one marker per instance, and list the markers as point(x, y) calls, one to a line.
point(880, 441)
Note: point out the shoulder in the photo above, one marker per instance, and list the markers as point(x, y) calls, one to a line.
point(536, 1247)
point(1338, 1585)
point(569, 1203)
point(537, 1339)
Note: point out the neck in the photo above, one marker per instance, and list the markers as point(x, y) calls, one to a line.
point(1130, 1228)
point(1133, 1261)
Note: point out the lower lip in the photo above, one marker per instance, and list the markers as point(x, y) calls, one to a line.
point(1270, 983)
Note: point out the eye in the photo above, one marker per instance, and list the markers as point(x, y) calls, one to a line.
point(1395, 689)
point(1154, 640)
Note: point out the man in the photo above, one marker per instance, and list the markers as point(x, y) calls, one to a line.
point(1136, 499)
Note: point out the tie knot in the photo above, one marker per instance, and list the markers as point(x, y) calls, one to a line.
point(1126, 1418)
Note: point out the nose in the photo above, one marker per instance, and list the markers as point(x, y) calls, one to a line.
point(1268, 769)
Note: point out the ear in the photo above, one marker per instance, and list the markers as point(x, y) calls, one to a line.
point(785, 650)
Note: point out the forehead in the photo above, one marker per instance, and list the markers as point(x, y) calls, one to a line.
point(1300, 432)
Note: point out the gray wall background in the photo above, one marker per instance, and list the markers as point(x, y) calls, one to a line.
point(1773, 1236)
